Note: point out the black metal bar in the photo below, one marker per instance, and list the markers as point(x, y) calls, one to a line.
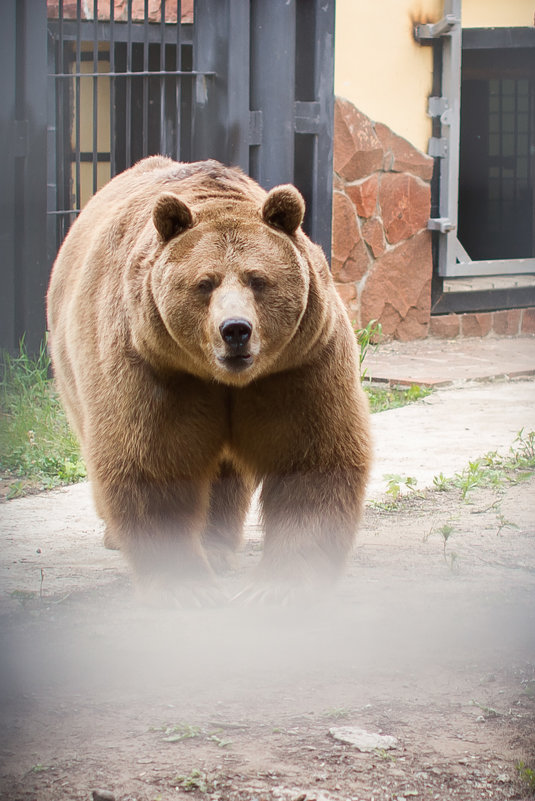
point(273, 86)
point(7, 173)
point(95, 95)
point(163, 132)
point(61, 110)
point(210, 54)
point(238, 83)
point(320, 216)
point(145, 143)
point(78, 189)
point(31, 220)
point(53, 225)
point(136, 74)
point(178, 82)
point(128, 110)
point(112, 91)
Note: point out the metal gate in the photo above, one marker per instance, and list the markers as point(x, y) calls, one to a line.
point(92, 86)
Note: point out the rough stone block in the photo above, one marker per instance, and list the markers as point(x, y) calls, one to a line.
point(476, 325)
point(507, 322)
point(399, 286)
point(405, 205)
point(373, 235)
point(349, 255)
point(364, 196)
point(446, 326)
point(528, 321)
point(357, 150)
point(401, 156)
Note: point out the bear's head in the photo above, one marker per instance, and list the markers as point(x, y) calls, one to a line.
point(231, 284)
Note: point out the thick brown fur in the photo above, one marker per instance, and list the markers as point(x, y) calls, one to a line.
point(178, 426)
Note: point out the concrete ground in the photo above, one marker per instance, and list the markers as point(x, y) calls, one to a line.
point(440, 362)
point(486, 395)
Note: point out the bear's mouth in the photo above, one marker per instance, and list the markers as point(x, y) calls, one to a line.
point(236, 363)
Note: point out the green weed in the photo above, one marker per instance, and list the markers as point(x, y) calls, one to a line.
point(368, 337)
point(337, 713)
point(441, 483)
point(397, 485)
point(488, 711)
point(182, 731)
point(527, 776)
point(185, 731)
point(494, 470)
point(36, 443)
point(197, 780)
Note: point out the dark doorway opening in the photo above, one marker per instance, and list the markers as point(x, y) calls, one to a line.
point(497, 154)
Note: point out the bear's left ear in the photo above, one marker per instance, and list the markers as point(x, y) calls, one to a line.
point(284, 208)
point(171, 216)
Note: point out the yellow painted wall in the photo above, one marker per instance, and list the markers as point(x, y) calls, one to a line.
point(498, 13)
point(385, 73)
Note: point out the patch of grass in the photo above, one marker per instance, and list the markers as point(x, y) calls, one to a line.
point(337, 713)
point(526, 776)
point(182, 731)
point(36, 443)
point(381, 399)
point(397, 485)
point(399, 488)
point(494, 470)
point(186, 731)
point(197, 780)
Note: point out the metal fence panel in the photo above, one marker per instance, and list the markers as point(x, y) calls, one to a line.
point(247, 82)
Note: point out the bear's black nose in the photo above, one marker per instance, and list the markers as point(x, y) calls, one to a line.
point(236, 333)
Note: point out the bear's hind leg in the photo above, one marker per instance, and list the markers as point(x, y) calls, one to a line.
point(230, 496)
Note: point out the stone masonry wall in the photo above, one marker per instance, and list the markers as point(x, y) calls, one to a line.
point(505, 323)
point(381, 255)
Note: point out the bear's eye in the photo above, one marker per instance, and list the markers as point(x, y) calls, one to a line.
point(205, 286)
point(257, 283)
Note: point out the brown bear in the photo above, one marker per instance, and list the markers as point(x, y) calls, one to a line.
point(201, 350)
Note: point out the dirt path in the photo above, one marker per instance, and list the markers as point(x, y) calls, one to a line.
point(428, 641)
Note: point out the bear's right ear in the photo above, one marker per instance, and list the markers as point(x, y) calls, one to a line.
point(171, 216)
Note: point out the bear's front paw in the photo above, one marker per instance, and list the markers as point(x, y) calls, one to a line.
point(161, 593)
point(278, 593)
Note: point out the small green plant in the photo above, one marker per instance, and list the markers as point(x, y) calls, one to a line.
point(397, 484)
point(197, 780)
point(527, 776)
point(36, 443)
point(182, 731)
point(39, 768)
point(23, 596)
point(368, 337)
point(441, 483)
point(337, 713)
point(488, 711)
point(494, 470)
point(446, 531)
point(449, 557)
point(221, 742)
